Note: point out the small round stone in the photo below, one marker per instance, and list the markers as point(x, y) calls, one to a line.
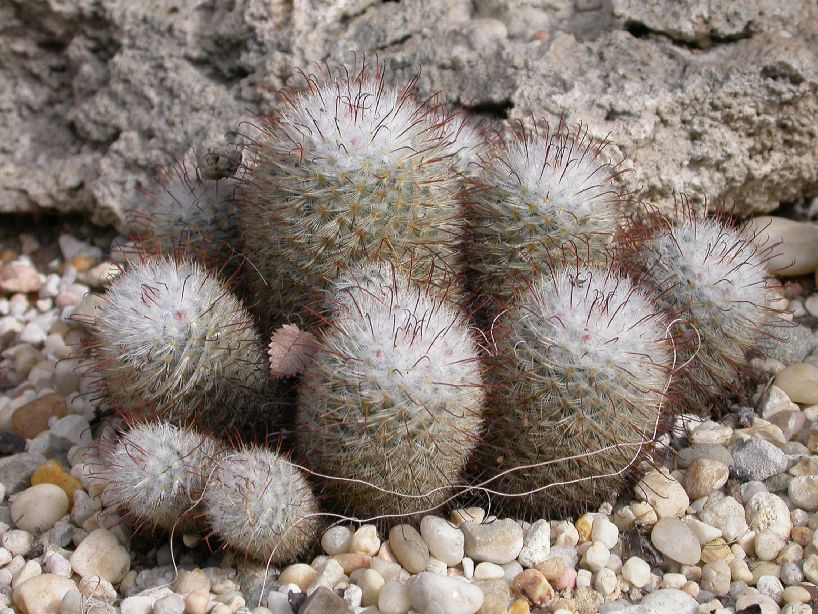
point(430, 592)
point(799, 382)
point(803, 492)
point(371, 583)
point(770, 586)
point(605, 531)
point(299, 574)
point(536, 544)
point(100, 554)
point(795, 594)
point(716, 578)
point(409, 548)
point(38, 508)
point(674, 539)
point(17, 542)
point(189, 581)
point(727, 515)
point(499, 541)
point(663, 492)
point(488, 571)
point(365, 540)
point(704, 476)
point(595, 557)
point(444, 540)
point(336, 540)
point(42, 594)
point(636, 571)
point(767, 545)
point(394, 598)
point(768, 511)
point(606, 582)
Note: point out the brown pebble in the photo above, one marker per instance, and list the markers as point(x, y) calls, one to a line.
point(551, 568)
point(82, 263)
point(520, 606)
point(352, 561)
point(801, 535)
point(197, 602)
point(7, 255)
point(52, 472)
point(533, 585)
point(31, 419)
point(19, 277)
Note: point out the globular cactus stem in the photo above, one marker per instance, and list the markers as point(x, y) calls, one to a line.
point(533, 199)
point(350, 170)
point(173, 343)
point(714, 278)
point(260, 504)
point(577, 383)
point(194, 207)
point(156, 474)
point(392, 398)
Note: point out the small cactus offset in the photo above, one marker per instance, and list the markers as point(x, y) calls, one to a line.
point(156, 474)
point(350, 170)
point(172, 342)
point(195, 208)
point(714, 279)
point(393, 397)
point(577, 390)
point(261, 505)
point(537, 197)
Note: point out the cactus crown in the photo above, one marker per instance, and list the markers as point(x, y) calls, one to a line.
point(541, 194)
point(261, 505)
point(171, 338)
point(351, 170)
point(715, 279)
point(394, 395)
point(156, 473)
point(579, 382)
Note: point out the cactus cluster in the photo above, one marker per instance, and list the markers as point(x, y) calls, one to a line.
point(379, 229)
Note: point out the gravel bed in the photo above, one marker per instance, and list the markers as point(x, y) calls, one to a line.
point(727, 522)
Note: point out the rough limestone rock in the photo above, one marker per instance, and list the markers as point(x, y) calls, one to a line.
point(715, 99)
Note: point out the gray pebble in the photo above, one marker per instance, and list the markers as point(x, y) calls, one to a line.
point(757, 459)
point(791, 574)
point(324, 601)
point(799, 342)
point(713, 451)
point(16, 470)
point(170, 604)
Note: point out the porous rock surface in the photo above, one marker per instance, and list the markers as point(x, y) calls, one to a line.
point(715, 99)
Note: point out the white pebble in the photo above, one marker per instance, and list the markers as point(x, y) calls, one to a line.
point(584, 578)
point(336, 540)
point(55, 563)
point(536, 544)
point(17, 541)
point(365, 540)
point(42, 594)
point(636, 571)
point(30, 570)
point(468, 567)
point(39, 507)
point(430, 592)
point(673, 580)
point(371, 584)
point(606, 581)
point(488, 571)
point(596, 557)
point(394, 598)
point(499, 541)
point(674, 539)
point(605, 531)
point(353, 597)
point(100, 554)
point(445, 541)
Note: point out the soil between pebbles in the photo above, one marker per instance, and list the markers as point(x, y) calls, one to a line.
point(730, 525)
